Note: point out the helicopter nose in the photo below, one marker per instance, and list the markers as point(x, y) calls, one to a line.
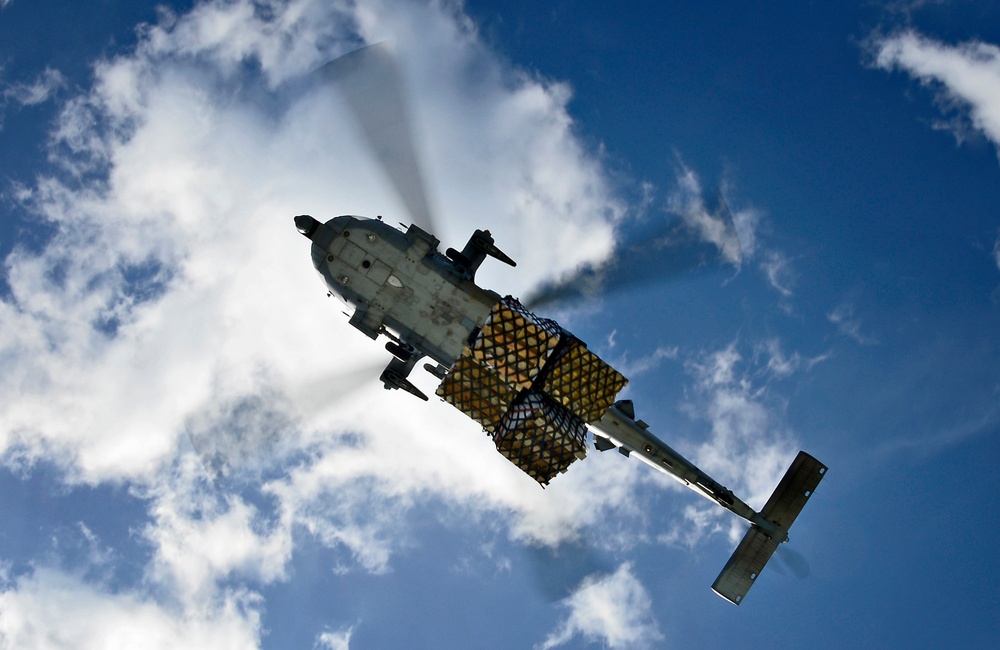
point(306, 225)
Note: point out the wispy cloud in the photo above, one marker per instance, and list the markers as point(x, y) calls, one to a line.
point(849, 324)
point(772, 362)
point(43, 88)
point(747, 447)
point(965, 77)
point(778, 269)
point(38, 91)
point(995, 297)
point(712, 226)
point(779, 364)
point(633, 367)
point(614, 610)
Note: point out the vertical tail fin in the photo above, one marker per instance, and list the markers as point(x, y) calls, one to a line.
point(757, 547)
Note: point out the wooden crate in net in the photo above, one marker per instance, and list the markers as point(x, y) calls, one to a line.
point(579, 380)
point(478, 391)
point(515, 342)
point(541, 437)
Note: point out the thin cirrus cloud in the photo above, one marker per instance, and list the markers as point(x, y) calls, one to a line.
point(40, 90)
point(748, 446)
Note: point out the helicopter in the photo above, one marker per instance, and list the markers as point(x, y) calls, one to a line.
point(532, 385)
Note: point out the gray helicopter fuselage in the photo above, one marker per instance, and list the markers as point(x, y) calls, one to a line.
point(399, 282)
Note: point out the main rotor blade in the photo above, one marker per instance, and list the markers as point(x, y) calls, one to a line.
point(667, 249)
point(248, 437)
point(241, 439)
point(372, 87)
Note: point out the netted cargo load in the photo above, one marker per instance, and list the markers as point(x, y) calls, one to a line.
point(515, 342)
point(478, 391)
point(579, 380)
point(541, 437)
point(534, 387)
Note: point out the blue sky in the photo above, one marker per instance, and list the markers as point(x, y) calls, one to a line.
point(157, 308)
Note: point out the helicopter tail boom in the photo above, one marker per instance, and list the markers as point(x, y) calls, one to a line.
point(758, 546)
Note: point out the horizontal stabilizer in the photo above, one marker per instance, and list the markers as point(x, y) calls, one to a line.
point(794, 489)
point(744, 566)
point(757, 547)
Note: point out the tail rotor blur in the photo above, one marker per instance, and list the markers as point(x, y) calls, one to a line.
point(655, 250)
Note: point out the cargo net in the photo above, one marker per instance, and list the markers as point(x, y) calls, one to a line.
point(515, 342)
point(532, 387)
point(478, 391)
point(541, 437)
point(579, 380)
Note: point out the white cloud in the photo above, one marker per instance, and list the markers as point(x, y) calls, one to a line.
point(775, 363)
point(699, 522)
point(340, 640)
point(54, 609)
point(201, 536)
point(614, 610)
point(966, 76)
point(203, 543)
